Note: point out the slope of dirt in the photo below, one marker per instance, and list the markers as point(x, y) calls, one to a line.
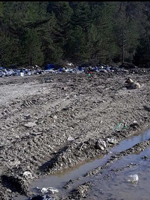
point(38, 114)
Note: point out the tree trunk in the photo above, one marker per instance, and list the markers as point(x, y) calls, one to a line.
point(122, 45)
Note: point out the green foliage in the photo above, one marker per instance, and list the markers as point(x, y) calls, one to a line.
point(49, 32)
point(31, 48)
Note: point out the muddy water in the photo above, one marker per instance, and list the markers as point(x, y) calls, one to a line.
point(126, 144)
point(59, 179)
point(112, 188)
point(116, 187)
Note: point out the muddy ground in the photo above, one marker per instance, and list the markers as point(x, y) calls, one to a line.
point(38, 115)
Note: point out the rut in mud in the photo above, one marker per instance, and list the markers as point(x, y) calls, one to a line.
point(37, 118)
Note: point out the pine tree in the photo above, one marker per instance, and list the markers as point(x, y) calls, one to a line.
point(31, 48)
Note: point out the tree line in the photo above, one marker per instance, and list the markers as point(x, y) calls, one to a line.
point(38, 33)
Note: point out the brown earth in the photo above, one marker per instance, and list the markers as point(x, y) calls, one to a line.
point(38, 114)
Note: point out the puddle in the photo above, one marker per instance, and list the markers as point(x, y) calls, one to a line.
point(59, 180)
point(126, 144)
point(116, 187)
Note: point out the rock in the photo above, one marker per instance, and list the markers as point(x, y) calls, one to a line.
point(27, 175)
point(144, 157)
point(30, 124)
point(101, 144)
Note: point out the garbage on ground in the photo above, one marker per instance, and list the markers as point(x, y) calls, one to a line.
point(120, 127)
point(55, 117)
point(48, 190)
point(112, 140)
point(70, 138)
point(69, 68)
point(133, 178)
point(130, 84)
point(30, 124)
point(134, 124)
point(21, 74)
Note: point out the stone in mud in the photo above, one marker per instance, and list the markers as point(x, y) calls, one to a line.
point(144, 157)
point(27, 175)
point(101, 144)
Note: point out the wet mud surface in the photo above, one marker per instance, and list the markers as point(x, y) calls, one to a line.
point(49, 128)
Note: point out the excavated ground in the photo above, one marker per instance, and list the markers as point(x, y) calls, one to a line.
point(39, 113)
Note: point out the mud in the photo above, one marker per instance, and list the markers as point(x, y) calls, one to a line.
point(37, 118)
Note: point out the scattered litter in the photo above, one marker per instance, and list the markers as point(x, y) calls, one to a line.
point(70, 138)
point(134, 124)
point(30, 124)
point(120, 127)
point(38, 133)
point(132, 84)
point(44, 190)
point(47, 80)
point(55, 117)
point(112, 140)
point(133, 178)
point(27, 116)
point(49, 189)
point(21, 74)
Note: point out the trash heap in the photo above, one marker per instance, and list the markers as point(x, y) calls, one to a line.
point(52, 68)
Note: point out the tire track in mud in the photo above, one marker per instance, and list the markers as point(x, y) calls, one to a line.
point(33, 150)
point(103, 172)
